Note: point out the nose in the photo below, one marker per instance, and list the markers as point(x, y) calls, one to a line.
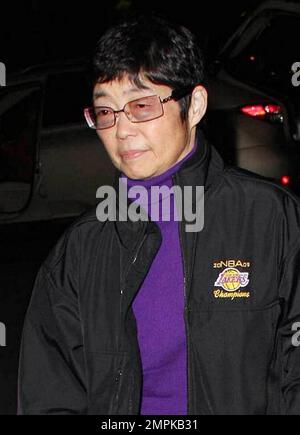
point(124, 126)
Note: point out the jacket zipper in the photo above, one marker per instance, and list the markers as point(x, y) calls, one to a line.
point(123, 287)
point(138, 250)
point(118, 382)
point(130, 409)
point(185, 314)
point(185, 306)
point(117, 379)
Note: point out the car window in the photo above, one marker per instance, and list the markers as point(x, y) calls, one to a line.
point(66, 95)
point(267, 60)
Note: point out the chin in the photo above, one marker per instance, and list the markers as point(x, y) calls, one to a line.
point(135, 176)
point(138, 174)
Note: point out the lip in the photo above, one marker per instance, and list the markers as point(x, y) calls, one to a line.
point(134, 154)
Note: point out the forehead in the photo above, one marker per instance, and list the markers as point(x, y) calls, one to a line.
point(126, 88)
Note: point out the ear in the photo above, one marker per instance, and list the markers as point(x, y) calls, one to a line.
point(198, 105)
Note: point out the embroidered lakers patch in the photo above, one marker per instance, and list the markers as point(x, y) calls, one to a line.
point(231, 281)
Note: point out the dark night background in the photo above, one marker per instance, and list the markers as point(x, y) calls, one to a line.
point(34, 32)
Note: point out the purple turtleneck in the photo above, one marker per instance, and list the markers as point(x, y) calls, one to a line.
point(159, 311)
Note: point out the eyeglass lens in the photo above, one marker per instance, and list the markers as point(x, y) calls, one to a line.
point(142, 109)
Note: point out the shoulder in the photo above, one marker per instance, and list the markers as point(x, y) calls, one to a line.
point(264, 201)
point(84, 229)
point(255, 187)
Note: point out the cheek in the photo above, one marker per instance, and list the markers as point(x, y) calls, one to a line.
point(162, 131)
point(169, 135)
point(108, 143)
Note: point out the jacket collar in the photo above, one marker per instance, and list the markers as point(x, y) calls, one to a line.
point(202, 169)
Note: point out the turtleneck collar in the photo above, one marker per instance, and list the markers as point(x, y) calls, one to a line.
point(137, 186)
point(204, 168)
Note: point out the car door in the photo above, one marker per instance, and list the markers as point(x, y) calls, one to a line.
point(24, 243)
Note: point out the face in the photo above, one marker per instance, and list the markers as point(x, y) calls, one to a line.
point(146, 149)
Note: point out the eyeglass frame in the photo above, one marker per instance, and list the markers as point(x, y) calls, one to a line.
point(176, 95)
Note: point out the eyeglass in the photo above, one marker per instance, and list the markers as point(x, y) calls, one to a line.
point(140, 110)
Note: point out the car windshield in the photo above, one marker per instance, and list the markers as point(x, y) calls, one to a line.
point(268, 59)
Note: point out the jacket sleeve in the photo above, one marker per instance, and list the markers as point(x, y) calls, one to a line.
point(51, 378)
point(289, 331)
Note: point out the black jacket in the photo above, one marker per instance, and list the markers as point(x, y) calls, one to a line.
point(79, 352)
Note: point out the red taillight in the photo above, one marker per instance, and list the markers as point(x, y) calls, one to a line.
point(285, 180)
point(257, 110)
point(272, 108)
point(269, 112)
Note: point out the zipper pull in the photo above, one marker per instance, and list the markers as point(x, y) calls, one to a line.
point(117, 378)
point(139, 248)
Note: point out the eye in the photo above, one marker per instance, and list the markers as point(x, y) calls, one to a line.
point(143, 105)
point(102, 112)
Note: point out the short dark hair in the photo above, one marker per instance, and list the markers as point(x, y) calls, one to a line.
point(165, 53)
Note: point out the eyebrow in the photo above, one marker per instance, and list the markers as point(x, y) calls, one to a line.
point(101, 93)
